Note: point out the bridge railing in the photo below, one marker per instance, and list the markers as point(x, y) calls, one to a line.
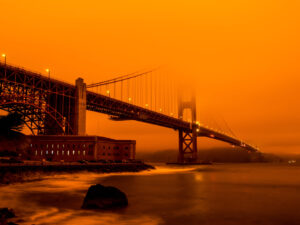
point(38, 74)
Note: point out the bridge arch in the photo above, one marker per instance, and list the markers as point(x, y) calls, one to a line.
point(39, 117)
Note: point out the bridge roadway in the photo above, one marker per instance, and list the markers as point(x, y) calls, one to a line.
point(118, 110)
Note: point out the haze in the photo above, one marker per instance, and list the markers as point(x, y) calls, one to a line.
point(242, 56)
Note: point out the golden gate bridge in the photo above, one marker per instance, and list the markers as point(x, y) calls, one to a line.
point(53, 107)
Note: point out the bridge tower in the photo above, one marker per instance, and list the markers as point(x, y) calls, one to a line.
point(187, 139)
point(80, 108)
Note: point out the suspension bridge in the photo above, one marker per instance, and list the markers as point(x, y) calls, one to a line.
point(53, 107)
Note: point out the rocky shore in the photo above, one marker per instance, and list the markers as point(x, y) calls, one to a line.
point(23, 173)
point(7, 214)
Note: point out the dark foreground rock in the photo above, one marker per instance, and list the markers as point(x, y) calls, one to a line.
point(5, 214)
point(101, 197)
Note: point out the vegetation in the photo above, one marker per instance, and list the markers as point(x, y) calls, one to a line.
point(12, 141)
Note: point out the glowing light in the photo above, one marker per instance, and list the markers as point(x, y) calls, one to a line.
point(197, 122)
point(171, 114)
point(3, 55)
point(146, 105)
point(47, 70)
point(129, 99)
point(160, 110)
point(107, 91)
point(197, 129)
point(211, 135)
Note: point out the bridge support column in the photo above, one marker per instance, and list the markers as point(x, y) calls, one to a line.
point(187, 139)
point(80, 108)
point(187, 147)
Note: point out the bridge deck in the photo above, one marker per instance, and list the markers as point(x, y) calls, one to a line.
point(119, 110)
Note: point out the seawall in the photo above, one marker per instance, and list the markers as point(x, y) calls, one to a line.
point(22, 173)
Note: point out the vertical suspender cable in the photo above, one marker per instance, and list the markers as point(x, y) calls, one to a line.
point(128, 91)
point(114, 89)
point(122, 90)
point(151, 91)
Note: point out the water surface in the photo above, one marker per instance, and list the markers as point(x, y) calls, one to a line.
point(211, 194)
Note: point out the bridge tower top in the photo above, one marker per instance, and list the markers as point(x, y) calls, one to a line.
point(187, 103)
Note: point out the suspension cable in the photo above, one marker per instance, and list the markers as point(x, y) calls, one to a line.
point(119, 79)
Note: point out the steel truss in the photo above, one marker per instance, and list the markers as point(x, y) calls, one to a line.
point(38, 100)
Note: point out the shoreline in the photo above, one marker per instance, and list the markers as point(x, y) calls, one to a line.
point(10, 174)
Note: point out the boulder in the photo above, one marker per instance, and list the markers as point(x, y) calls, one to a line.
point(101, 197)
point(7, 213)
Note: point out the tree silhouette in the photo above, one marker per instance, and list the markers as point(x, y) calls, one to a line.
point(11, 124)
point(11, 138)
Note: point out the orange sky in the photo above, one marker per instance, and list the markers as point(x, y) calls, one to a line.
point(243, 57)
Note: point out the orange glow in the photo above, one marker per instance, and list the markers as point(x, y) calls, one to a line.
point(243, 57)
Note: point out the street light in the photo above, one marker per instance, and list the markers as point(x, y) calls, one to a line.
point(108, 92)
point(48, 71)
point(4, 56)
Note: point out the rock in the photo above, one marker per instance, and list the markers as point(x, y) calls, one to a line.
point(101, 197)
point(7, 213)
point(12, 223)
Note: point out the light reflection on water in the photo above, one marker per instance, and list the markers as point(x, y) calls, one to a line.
point(211, 194)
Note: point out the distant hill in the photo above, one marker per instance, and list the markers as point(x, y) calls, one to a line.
point(230, 155)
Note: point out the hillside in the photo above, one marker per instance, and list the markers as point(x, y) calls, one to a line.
point(230, 155)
